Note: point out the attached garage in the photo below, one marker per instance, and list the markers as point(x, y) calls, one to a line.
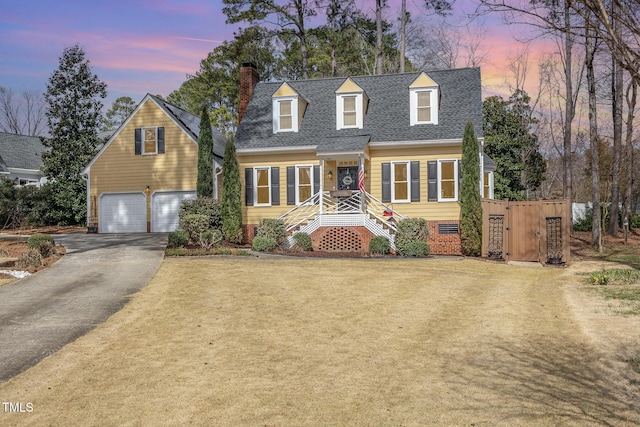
point(165, 206)
point(122, 213)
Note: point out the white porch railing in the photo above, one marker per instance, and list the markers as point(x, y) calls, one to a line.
point(312, 208)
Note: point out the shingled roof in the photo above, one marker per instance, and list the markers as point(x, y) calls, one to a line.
point(387, 118)
point(20, 152)
point(190, 123)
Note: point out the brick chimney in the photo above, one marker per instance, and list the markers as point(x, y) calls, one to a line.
point(248, 79)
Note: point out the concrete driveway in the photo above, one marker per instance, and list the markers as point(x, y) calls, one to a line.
point(42, 313)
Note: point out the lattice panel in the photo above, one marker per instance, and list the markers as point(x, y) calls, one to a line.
point(496, 242)
point(340, 239)
point(554, 240)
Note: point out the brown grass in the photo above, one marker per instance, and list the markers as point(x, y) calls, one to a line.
point(291, 341)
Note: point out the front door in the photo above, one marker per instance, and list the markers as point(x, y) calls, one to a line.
point(348, 178)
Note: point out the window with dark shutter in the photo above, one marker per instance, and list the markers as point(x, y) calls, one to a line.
point(415, 181)
point(138, 141)
point(248, 186)
point(386, 182)
point(291, 185)
point(275, 186)
point(432, 180)
point(316, 179)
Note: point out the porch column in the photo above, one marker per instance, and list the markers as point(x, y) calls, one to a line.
point(363, 203)
point(321, 184)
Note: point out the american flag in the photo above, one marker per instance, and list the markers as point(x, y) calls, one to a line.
point(361, 180)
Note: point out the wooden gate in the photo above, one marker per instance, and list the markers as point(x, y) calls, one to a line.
point(526, 231)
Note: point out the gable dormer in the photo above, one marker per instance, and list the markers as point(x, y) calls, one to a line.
point(424, 100)
point(288, 109)
point(351, 105)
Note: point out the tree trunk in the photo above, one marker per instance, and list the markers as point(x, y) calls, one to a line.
point(569, 112)
point(631, 104)
point(593, 139)
point(403, 34)
point(379, 36)
point(302, 36)
point(616, 88)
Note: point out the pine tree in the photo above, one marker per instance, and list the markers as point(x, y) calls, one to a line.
point(204, 186)
point(470, 205)
point(74, 97)
point(231, 205)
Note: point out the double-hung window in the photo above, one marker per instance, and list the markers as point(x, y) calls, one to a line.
point(400, 187)
point(424, 106)
point(304, 183)
point(285, 114)
point(262, 179)
point(349, 111)
point(150, 140)
point(447, 180)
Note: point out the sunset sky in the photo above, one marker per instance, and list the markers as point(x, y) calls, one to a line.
point(149, 46)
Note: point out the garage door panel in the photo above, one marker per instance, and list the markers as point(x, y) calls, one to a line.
point(122, 213)
point(165, 206)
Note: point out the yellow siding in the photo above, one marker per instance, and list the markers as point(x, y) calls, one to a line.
point(373, 182)
point(423, 80)
point(349, 86)
point(118, 169)
point(423, 209)
point(285, 90)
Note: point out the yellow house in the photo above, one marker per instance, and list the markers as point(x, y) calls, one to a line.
point(344, 159)
point(138, 179)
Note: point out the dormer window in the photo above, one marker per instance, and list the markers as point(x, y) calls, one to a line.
point(284, 119)
point(350, 106)
point(423, 99)
point(288, 109)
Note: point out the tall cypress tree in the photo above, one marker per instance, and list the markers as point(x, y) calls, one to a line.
point(204, 186)
point(470, 205)
point(231, 205)
point(74, 97)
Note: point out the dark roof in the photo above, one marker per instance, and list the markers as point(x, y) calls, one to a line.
point(190, 123)
point(488, 163)
point(3, 166)
point(386, 119)
point(21, 151)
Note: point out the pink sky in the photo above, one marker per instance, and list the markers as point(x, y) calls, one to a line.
point(144, 46)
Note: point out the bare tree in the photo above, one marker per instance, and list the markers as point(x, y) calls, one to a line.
point(22, 116)
point(403, 34)
point(616, 112)
point(379, 56)
point(590, 46)
point(631, 97)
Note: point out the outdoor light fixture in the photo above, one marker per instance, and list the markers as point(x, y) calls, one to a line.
point(330, 175)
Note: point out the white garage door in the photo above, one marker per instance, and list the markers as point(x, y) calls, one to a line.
point(123, 213)
point(164, 209)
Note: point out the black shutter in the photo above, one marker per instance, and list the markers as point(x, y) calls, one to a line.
point(248, 186)
point(275, 186)
point(386, 182)
point(432, 178)
point(316, 179)
point(138, 141)
point(415, 181)
point(460, 177)
point(160, 140)
point(291, 185)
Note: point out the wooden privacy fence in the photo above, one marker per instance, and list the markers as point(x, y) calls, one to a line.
point(537, 230)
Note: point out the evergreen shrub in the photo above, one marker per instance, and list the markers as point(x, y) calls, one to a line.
point(303, 241)
point(379, 245)
point(263, 244)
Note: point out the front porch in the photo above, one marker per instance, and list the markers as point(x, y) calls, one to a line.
point(349, 213)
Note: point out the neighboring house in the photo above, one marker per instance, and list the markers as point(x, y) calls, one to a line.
point(21, 159)
point(146, 169)
point(344, 159)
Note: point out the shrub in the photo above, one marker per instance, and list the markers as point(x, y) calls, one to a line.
point(634, 220)
point(303, 241)
point(34, 240)
point(273, 228)
point(263, 244)
point(43, 243)
point(178, 239)
point(194, 224)
point(379, 245)
point(409, 231)
point(210, 238)
point(203, 206)
point(31, 259)
point(600, 278)
point(584, 224)
point(414, 248)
